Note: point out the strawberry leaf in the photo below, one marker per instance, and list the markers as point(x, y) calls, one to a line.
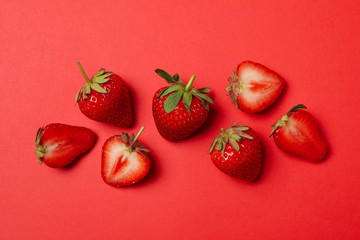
point(236, 137)
point(212, 146)
point(234, 144)
point(103, 78)
point(204, 90)
point(233, 84)
point(77, 98)
point(295, 108)
point(168, 90)
point(219, 144)
point(172, 101)
point(101, 71)
point(132, 137)
point(98, 88)
point(87, 89)
point(204, 97)
point(232, 135)
point(177, 78)
point(244, 135)
point(38, 136)
point(165, 75)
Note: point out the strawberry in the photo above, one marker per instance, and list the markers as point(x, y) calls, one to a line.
point(298, 134)
point(124, 160)
point(58, 144)
point(237, 152)
point(179, 109)
point(105, 98)
point(253, 87)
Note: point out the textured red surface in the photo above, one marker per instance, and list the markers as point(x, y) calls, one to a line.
point(312, 44)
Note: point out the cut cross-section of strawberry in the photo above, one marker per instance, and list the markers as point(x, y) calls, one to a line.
point(253, 87)
point(58, 144)
point(298, 134)
point(125, 160)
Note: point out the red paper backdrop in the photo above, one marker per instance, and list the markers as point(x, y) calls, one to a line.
point(314, 45)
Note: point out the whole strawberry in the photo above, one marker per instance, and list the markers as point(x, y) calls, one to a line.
point(254, 87)
point(298, 134)
point(58, 144)
point(237, 152)
point(179, 109)
point(124, 160)
point(105, 98)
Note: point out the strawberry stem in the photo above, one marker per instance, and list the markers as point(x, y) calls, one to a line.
point(223, 132)
point(83, 72)
point(188, 85)
point(137, 136)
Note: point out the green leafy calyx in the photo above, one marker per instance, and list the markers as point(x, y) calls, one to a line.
point(40, 149)
point(234, 88)
point(93, 83)
point(232, 135)
point(178, 90)
point(132, 142)
point(285, 118)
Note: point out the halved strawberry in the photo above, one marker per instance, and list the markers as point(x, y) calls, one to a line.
point(124, 160)
point(298, 134)
point(58, 144)
point(253, 87)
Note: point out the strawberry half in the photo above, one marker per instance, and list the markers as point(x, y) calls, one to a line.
point(179, 110)
point(237, 152)
point(58, 144)
point(105, 98)
point(253, 87)
point(124, 160)
point(298, 134)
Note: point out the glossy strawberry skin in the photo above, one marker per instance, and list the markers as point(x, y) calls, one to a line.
point(301, 137)
point(64, 143)
point(244, 164)
point(113, 107)
point(179, 123)
point(114, 170)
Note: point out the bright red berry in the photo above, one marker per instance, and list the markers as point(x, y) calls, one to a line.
point(298, 134)
point(58, 144)
point(237, 152)
point(179, 110)
point(254, 87)
point(105, 98)
point(124, 160)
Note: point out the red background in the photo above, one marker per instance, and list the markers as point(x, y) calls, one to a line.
point(314, 45)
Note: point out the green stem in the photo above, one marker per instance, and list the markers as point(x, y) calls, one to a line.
point(137, 136)
point(223, 132)
point(188, 85)
point(83, 72)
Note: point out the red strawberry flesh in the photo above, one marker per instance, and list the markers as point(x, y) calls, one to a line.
point(62, 144)
point(123, 165)
point(254, 87)
point(301, 136)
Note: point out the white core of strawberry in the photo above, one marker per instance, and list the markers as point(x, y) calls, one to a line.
point(246, 81)
point(116, 154)
point(50, 148)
